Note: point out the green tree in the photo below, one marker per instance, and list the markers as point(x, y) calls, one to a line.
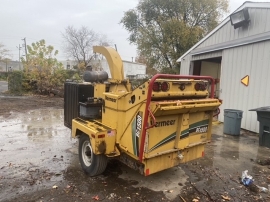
point(164, 30)
point(41, 69)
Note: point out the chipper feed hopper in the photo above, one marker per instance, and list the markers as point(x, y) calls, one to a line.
point(165, 121)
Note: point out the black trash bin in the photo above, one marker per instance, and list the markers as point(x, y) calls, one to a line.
point(263, 116)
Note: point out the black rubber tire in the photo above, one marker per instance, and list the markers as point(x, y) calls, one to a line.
point(91, 163)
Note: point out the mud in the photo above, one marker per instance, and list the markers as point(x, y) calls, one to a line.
point(39, 162)
point(218, 174)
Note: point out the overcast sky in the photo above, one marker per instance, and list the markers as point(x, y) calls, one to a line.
point(47, 19)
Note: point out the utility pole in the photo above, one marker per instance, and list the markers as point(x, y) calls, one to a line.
point(25, 48)
point(19, 55)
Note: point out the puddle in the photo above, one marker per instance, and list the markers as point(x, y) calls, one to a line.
point(169, 181)
point(34, 148)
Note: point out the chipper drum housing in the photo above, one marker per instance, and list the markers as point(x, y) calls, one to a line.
point(165, 121)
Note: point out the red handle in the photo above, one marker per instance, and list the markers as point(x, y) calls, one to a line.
point(153, 117)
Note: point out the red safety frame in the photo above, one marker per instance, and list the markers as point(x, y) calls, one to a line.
point(149, 96)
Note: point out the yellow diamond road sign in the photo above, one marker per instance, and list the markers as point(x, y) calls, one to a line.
point(245, 80)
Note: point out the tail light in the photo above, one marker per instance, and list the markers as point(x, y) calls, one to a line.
point(156, 87)
point(165, 86)
point(197, 86)
point(200, 86)
point(203, 87)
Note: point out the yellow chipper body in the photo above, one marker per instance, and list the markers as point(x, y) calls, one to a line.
point(165, 121)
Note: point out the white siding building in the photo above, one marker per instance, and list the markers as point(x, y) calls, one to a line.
point(130, 68)
point(10, 66)
point(229, 54)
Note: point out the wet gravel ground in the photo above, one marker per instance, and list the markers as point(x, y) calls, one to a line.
point(217, 176)
point(39, 162)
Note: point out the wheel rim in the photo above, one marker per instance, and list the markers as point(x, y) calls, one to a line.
point(87, 153)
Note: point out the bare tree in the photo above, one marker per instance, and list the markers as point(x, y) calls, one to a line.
point(79, 43)
point(4, 53)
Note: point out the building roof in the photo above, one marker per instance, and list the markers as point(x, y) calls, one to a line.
point(247, 4)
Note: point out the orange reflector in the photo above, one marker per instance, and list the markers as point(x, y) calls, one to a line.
point(147, 172)
point(101, 136)
point(202, 153)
